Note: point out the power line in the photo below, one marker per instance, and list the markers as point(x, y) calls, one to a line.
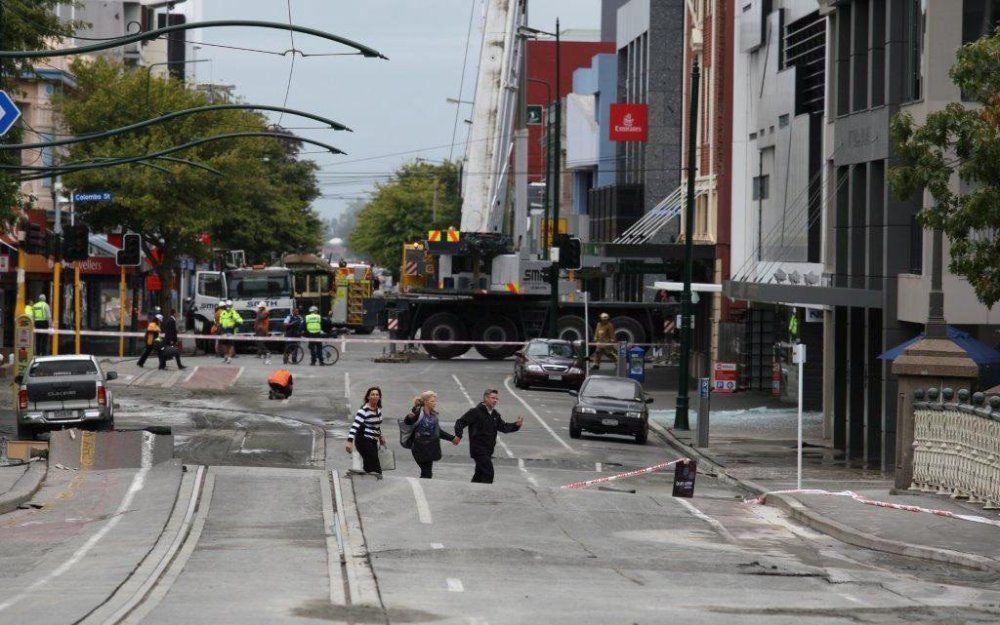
point(461, 82)
point(291, 68)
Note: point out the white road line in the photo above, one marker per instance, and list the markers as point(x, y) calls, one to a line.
point(137, 483)
point(597, 467)
point(531, 478)
point(347, 385)
point(191, 375)
point(545, 425)
point(334, 572)
point(423, 510)
point(239, 374)
point(437, 546)
point(718, 527)
point(464, 392)
point(285, 401)
point(455, 585)
point(505, 448)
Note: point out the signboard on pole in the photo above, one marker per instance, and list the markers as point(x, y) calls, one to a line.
point(629, 122)
point(9, 113)
point(84, 197)
point(725, 377)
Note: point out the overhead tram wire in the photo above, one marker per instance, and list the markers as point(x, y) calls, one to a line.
point(461, 82)
point(291, 67)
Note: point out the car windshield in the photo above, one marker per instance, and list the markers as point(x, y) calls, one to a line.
point(541, 349)
point(260, 285)
point(612, 389)
point(53, 368)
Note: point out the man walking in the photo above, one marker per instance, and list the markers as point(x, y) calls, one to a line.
point(293, 330)
point(42, 315)
point(171, 344)
point(229, 321)
point(153, 340)
point(262, 329)
point(604, 333)
point(484, 421)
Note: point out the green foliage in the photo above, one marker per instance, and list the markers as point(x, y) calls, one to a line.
point(402, 211)
point(24, 25)
point(964, 141)
point(260, 204)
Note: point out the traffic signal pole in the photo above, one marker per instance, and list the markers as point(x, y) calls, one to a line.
point(76, 305)
point(121, 315)
point(56, 290)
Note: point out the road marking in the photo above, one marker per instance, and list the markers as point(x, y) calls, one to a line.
point(285, 401)
point(718, 527)
point(191, 375)
point(505, 448)
point(531, 478)
point(464, 392)
point(137, 483)
point(238, 374)
point(506, 382)
point(597, 467)
point(333, 549)
point(347, 385)
point(423, 510)
point(437, 546)
point(455, 585)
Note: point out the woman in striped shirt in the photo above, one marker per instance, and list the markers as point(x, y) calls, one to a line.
point(366, 431)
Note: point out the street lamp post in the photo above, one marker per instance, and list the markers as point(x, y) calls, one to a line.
point(548, 161)
point(149, 72)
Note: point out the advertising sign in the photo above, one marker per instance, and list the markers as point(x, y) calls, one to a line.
point(725, 377)
point(629, 122)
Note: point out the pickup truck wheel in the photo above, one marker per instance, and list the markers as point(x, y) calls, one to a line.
point(570, 328)
point(26, 432)
point(444, 327)
point(574, 430)
point(629, 330)
point(642, 436)
point(496, 328)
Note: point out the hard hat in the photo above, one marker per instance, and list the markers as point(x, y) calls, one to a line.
point(261, 305)
point(41, 297)
point(605, 316)
point(313, 309)
point(229, 302)
point(159, 317)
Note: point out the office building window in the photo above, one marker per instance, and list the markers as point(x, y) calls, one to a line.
point(913, 49)
point(761, 186)
point(979, 18)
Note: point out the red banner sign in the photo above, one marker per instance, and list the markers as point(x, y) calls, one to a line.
point(153, 283)
point(725, 377)
point(629, 122)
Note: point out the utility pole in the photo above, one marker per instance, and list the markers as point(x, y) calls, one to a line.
point(554, 221)
point(681, 416)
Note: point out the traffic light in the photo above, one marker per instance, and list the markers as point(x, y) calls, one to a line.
point(131, 252)
point(53, 246)
point(35, 238)
point(569, 251)
point(76, 243)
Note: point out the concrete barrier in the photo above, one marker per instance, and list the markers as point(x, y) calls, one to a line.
point(81, 449)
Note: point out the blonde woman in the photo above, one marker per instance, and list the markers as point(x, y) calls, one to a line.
point(428, 434)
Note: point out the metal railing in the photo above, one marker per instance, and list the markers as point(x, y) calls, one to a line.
point(956, 447)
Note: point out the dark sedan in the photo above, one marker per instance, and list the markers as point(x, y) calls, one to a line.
point(548, 362)
point(610, 405)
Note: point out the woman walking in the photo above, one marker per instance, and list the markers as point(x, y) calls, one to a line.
point(366, 431)
point(427, 436)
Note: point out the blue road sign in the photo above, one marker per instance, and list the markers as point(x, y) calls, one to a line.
point(9, 113)
point(93, 196)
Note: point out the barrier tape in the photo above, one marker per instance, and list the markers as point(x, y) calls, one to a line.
point(762, 500)
point(345, 338)
point(621, 476)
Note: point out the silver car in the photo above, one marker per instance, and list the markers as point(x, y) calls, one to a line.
point(63, 391)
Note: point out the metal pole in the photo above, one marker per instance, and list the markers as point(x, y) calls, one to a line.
point(554, 225)
point(586, 333)
point(121, 315)
point(76, 304)
point(681, 416)
point(798, 451)
point(56, 271)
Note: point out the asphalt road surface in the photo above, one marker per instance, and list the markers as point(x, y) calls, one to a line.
point(256, 521)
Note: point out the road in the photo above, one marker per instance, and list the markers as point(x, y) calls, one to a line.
point(256, 522)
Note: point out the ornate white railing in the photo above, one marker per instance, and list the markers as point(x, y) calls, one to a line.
point(956, 445)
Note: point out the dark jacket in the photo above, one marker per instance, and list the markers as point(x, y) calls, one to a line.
point(426, 448)
point(170, 331)
point(294, 326)
point(483, 429)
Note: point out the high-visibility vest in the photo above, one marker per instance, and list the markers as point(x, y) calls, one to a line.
point(793, 325)
point(314, 323)
point(40, 311)
point(229, 319)
point(29, 310)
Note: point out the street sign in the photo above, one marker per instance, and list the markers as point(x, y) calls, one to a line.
point(9, 113)
point(685, 473)
point(92, 196)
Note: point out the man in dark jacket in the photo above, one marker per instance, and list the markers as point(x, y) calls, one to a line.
point(171, 344)
point(484, 422)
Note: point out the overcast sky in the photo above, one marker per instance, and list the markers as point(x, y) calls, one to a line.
point(393, 106)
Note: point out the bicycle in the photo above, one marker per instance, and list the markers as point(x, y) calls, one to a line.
point(295, 353)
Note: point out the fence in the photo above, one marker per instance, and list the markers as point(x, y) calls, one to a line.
point(956, 447)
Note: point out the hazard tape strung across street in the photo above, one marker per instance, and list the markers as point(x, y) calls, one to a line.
point(762, 500)
point(621, 476)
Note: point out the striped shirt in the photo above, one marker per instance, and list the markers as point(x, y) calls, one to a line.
point(368, 422)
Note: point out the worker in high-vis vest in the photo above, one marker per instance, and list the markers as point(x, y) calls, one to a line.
point(229, 324)
point(314, 330)
point(42, 316)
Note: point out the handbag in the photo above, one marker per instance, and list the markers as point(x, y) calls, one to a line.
point(406, 433)
point(386, 458)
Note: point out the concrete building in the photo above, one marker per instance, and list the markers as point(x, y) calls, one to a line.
point(114, 18)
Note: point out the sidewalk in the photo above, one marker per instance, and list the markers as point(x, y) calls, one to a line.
point(755, 448)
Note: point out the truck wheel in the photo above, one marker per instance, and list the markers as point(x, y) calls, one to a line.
point(444, 327)
point(570, 328)
point(629, 330)
point(496, 328)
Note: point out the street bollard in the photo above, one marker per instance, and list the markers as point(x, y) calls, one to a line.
point(622, 368)
point(704, 407)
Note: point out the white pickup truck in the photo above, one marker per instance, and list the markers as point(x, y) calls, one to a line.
point(63, 391)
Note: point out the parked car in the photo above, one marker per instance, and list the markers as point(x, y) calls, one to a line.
point(610, 405)
point(57, 392)
point(549, 362)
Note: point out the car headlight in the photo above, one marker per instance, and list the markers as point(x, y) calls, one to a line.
point(586, 410)
point(633, 415)
point(574, 370)
point(534, 368)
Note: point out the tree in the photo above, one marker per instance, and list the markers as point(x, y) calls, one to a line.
point(24, 25)
point(260, 203)
point(403, 210)
point(964, 140)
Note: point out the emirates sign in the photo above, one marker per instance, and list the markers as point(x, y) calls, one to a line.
point(629, 122)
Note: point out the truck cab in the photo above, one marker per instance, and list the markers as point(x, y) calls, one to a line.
point(248, 288)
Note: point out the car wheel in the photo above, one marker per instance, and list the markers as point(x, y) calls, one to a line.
point(642, 436)
point(105, 426)
point(518, 381)
point(574, 430)
point(26, 432)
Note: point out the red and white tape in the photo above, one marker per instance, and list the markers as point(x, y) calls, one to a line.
point(762, 500)
point(621, 476)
